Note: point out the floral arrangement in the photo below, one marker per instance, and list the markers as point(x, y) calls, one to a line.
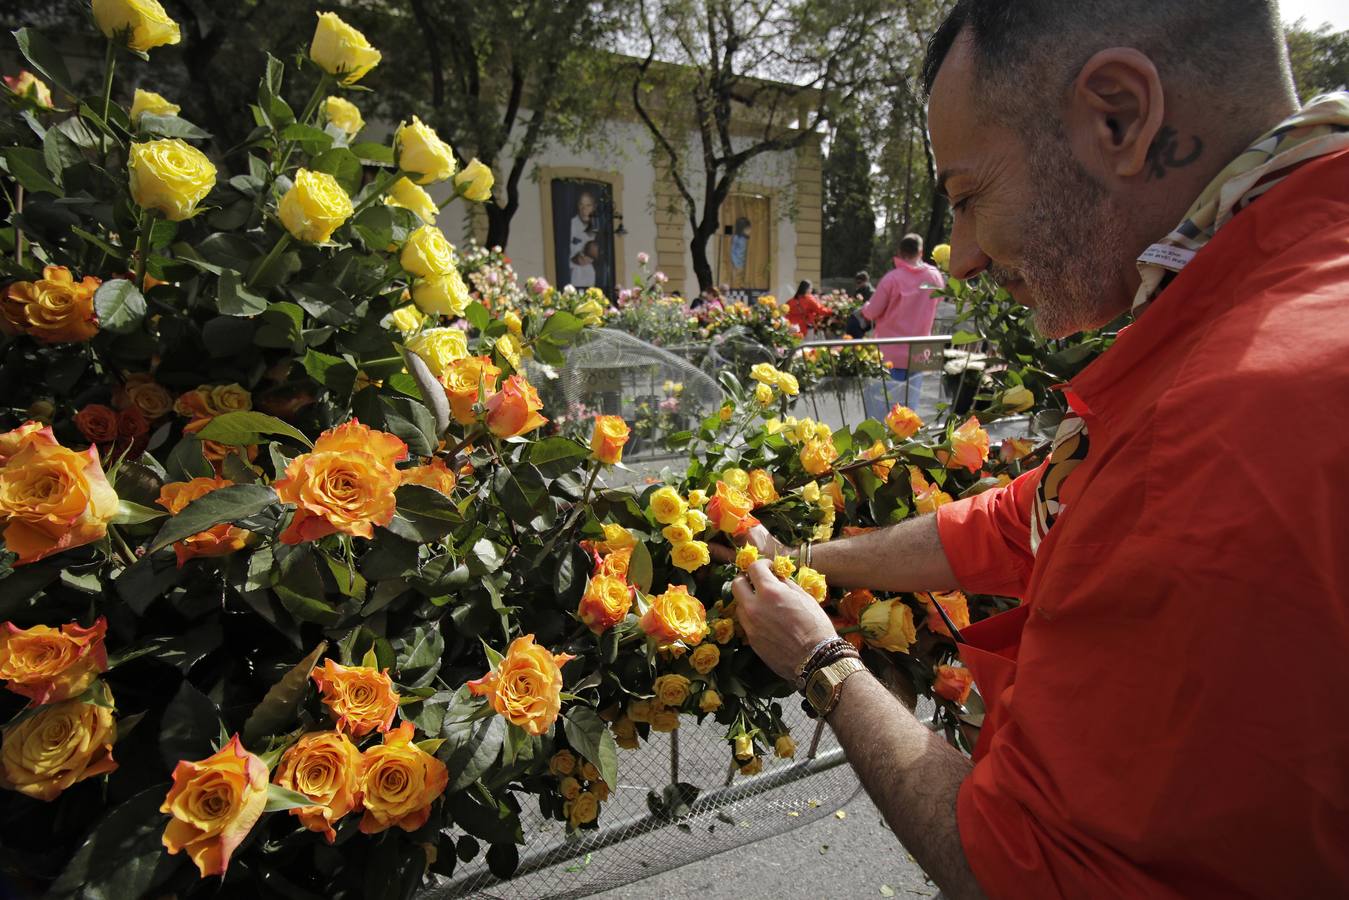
point(814, 364)
point(644, 311)
point(764, 321)
point(840, 305)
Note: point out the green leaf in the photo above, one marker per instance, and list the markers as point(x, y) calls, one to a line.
point(561, 327)
point(342, 164)
point(129, 513)
point(182, 651)
point(43, 56)
point(374, 226)
point(640, 568)
point(484, 815)
point(478, 316)
point(279, 798)
point(186, 461)
point(171, 127)
point(411, 421)
point(245, 427)
point(191, 722)
point(229, 504)
point(60, 152)
point(119, 306)
point(123, 856)
point(312, 140)
point(370, 152)
point(302, 592)
point(280, 327)
point(424, 514)
point(232, 299)
point(276, 711)
point(588, 734)
point(556, 456)
point(470, 749)
point(503, 860)
point(965, 337)
point(419, 655)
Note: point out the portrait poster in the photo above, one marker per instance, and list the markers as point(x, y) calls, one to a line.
point(744, 261)
point(583, 233)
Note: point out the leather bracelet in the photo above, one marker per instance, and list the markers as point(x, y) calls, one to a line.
point(825, 652)
point(810, 657)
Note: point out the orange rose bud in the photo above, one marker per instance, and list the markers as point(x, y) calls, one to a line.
point(218, 540)
point(52, 498)
point(953, 683)
point(325, 766)
point(852, 637)
point(605, 602)
point(526, 688)
point(98, 423)
point(1013, 449)
point(360, 698)
point(969, 445)
point(514, 409)
point(956, 606)
point(399, 782)
point(606, 442)
point(463, 379)
point(615, 563)
point(926, 497)
point(903, 422)
point(48, 665)
point(729, 510)
point(435, 475)
point(675, 615)
point(214, 804)
point(345, 484)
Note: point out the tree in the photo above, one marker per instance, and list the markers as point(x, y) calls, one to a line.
point(849, 216)
point(1320, 59)
point(723, 82)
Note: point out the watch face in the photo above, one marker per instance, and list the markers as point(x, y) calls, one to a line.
point(818, 692)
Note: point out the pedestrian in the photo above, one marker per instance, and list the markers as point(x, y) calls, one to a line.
point(857, 325)
point(903, 305)
point(804, 309)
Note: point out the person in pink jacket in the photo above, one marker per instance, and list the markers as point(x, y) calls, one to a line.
point(904, 305)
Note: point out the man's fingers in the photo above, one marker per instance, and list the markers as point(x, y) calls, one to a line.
point(760, 573)
point(720, 552)
point(742, 590)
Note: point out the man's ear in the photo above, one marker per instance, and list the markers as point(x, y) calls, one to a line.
point(1116, 109)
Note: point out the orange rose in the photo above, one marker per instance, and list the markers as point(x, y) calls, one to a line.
point(953, 683)
point(58, 745)
point(956, 606)
point(605, 602)
point(676, 615)
point(926, 497)
point(214, 804)
point(817, 455)
point(852, 637)
point(615, 563)
point(526, 687)
point(435, 475)
point(853, 602)
point(218, 540)
point(11, 442)
point(143, 392)
point(903, 422)
point(761, 488)
point(969, 445)
point(55, 309)
point(194, 404)
point(53, 499)
point(888, 624)
point(346, 483)
point(98, 423)
point(360, 698)
point(1013, 449)
point(325, 766)
point(399, 782)
point(463, 379)
point(881, 469)
point(606, 443)
point(48, 665)
point(729, 510)
point(514, 409)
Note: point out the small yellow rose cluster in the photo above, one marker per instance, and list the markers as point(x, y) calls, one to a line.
point(581, 787)
point(828, 500)
point(770, 377)
point(684, 523)
point(437, 288)
point(592, 307)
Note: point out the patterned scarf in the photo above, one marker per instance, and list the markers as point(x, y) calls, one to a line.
point(1320, 128)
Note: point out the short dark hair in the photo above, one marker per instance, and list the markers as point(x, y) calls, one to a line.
point(910, 245)
point(863, 275)
point(1209, 42)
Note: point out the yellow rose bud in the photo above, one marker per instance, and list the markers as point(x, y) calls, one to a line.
point(736, 478)
point(705, 658)
point(143, 23)
point(783, 567)
point(666, 506)
point(509, 347)
point(427, 253)
point(803, 430)
point(746, 556)
point(608, 438)
point(678, 533)
point(888, 624)
point(30, 86)
point(344, 114)
point(625, 733)
point(475, 182)
point(423, 153)
point(59, 745)
point(605, 603)
point(616, 537)
point(563, 762)
point(589, 772)
point(811, 492)
point(513, 323)
point(439, 347)
point(1017, 399)
point(583, 810)
point(407, 319)
point(744, 748)
point(969, 446)
point(788, 384)
point(763, 394)
point(152, 103)
point(723, 630)
point(341, 50)
point(442, 295)
point(409, 195)
point(773, 425)
point(941, 255)
point(314, 207)
point(698, 498)
point(710, 701)
point(214, 803)
point(726, 413)
point(690, 555)
point(813, 583)
point(671, 690)
point(170, 176)
point(696, 521)
point(664, 720)
point(823, 432)
point(640, 711)
point(784, 747)
point(435, 475)
point(569, 788)
point(526, 687)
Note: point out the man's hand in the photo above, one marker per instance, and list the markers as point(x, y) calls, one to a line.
point(783, 622)
point(757, 537)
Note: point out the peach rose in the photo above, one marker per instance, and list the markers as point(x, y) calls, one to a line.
point(215, 803)
point(53, 499)
point(345, 484)
point(881, 469)
point(48, 665)
point(969, 446)
point(615, 563)
point(526, 687)
point(59, 745)
point(55, 309)
point(561, 763)
point(605, 603)
point(360, 698)
point(705, 658)
point(671, 690)
point(761, 488)
point(903, 422)
point(325, 766)
point(463, 379)
point(675, 615)
point(926, 497)
point(1013, 449)
point(514, 409)
point(435, 475)
point(399, 782)
point(218, 540)
point(953, 683)
point(956, 606)
point(31, 432)
point(608, 438)
point(729, 510)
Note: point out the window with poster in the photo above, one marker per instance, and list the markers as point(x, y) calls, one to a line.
point(583, 233)
point(745, 257)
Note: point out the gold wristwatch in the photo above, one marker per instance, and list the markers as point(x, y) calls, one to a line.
point(825, 684)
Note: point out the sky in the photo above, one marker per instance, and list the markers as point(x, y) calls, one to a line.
point(1316, 12)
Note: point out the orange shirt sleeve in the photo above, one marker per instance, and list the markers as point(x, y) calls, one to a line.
point(986, 538)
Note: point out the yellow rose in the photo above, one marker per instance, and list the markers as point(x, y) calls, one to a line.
point(640, 711)
point(563, 762)
point(53, 499)
point(743, 749)
point(48, 665)
point(736, 478)
point(903, 422)
point(341, 50)
point(705, 658)
point(784, 747)
point(170, 176)
point(788, 384)
point(696, 521)
point(761, 488)
point(360, 698)
point(675, 615)
point(811, 492)
point(407, 319)
point(345, 484)
point(616, 537)
point(783, 567)
point(526, 688)
point(223, 398)
point(144, 23)
point(58, 745)
point(152, 103)
point(666, 506)
point(823, 432)
point(679, 532)
point(664, 720)
point(423, 153)
point(625, 733)
point(608, 438)
point(763, 394)
point(723, 630)
point(218, 540)
point(773, 425)
point(28, 85)
point(569, 788)
point(803, 431)
point(514, 409)
point(142, 391)
point(671, 690)
point(764, 373)
point(314, 207)
point(439, 347)
point(746, 556)
point(690, 555)
point(812, 582)
point(881, 469)
point(399, 782)
point(583, 810)
point(888, 624)
point(214, 804)
point(605, 603)
point(941, 255)
point(325, 766)
point(435, 475)
point(464, 379)
point(513, 323)
point(698, 498)
point(427, 253)
point(817, 456)
point(710, 701)
point(55, 309)
point(408, 195)
point(475, 182)
point(442, 295)
point(926, 497)
point(344, 114)
point(1016, 399)
point(591, 312)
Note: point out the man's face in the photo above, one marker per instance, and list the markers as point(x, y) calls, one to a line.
point(585, 206)
point(1031, 216)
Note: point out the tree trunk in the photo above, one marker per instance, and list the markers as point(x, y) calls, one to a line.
point(498, 225)
point(702, 267)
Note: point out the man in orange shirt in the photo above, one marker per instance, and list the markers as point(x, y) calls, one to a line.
point(1165, 708)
